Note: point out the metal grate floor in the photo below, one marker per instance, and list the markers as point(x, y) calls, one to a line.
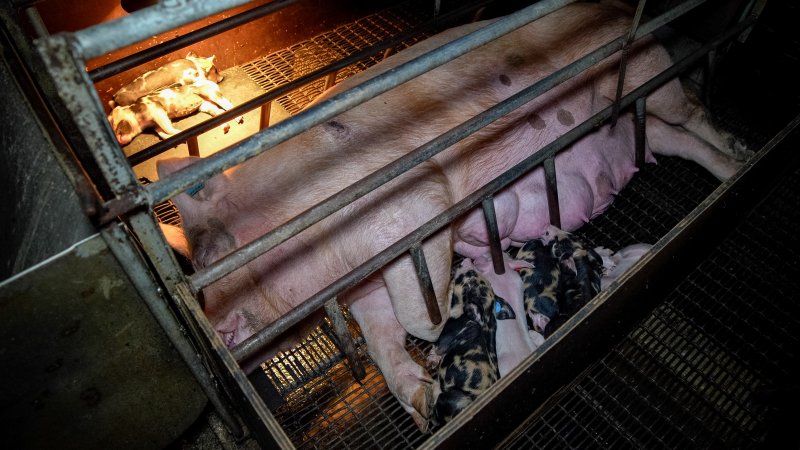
point(302, 58)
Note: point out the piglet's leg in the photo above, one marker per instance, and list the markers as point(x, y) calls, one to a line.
point(386, 338)
point(164, 126)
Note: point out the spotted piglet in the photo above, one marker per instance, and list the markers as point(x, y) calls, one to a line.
point(581, 271)
point(465, 355)
point(539, 283)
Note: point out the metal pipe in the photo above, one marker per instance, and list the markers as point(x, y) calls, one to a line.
point(326, 110)
point(640, 121)
point(623, 59)
point(253, 344)
point(108, 36)
point(425, 283)
point(318, 212)
point(551, 185)
point(166, 144)
point(495, 248)
point(184, 40)
point(344, 338)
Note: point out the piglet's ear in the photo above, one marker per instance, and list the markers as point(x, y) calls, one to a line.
point(191, 54)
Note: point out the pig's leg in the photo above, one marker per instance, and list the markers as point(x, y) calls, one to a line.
point(213, 110)
point(386, 339)
point(164, 126)
point(670, 140)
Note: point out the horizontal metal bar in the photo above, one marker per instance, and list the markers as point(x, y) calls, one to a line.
point(166, 15)
point(253, 344)
point(185, 40)
point(162, 146)
point(318, 212)
point(326, 110)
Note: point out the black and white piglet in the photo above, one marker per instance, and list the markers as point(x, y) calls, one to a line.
point(465, 355)
point(566, 275)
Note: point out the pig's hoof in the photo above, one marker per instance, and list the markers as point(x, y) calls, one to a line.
point(226, 129)
point(240, 120)
point(422, 401)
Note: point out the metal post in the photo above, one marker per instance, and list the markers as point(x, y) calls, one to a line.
point(266, 110)
point(640, 121)
point(425, 283)
point(344, 338)
point(552, 191)
point(494, 235)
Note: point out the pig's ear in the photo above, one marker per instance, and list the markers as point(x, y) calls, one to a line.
point(191, 54)
point(176, 239)
point(502, 310)
point(517, 264)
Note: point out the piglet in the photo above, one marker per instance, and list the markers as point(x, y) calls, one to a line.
point(514, 341)
point(183, 72)
point(159, 108)
point(580, 278)
point(619, 262)
point(539, 283)
point(465, 355)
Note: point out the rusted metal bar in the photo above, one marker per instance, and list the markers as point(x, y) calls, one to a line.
point(425, 283)
point(194, 147)
point(344, 338)
point(551, 184)
point(494, 235)
point(640, 121)
point(266, 110)
point(251, 345)
point(330, 80)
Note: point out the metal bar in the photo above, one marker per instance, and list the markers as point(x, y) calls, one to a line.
point(81, 100)
point(710, 74)
point(640, 120)
point(493, 233)
point(623, 59)
point(279, 91)
point(166, 15)
point(185, 40)
point(425, 283)
point(344, 338)
point(551, 184)
point(318, 212)
point(266, 110)
point(330, 80)
point(36, 22)
point(194, 147)
point(251, 345)
point(122, 248)
point(326, 110)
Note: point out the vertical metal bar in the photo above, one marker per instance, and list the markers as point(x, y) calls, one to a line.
point(623, 60)
point(494, 235)
point(344, 338)
point(194, 147)
point(425, 283)
point(330, 80)
point(710, 73)
point(36, 22)
point(640, 119)
point(552, 191)
point(266, 110)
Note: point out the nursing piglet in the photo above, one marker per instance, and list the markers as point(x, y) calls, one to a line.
point(514, 341)
point(465, 356)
